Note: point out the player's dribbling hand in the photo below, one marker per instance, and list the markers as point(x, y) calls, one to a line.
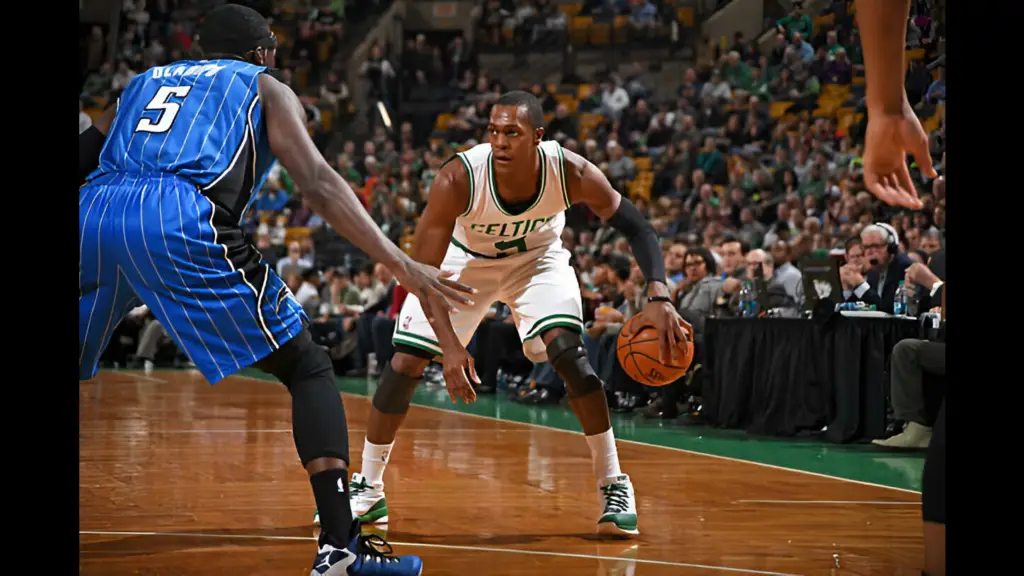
point(672, 328)
point(888, 139)
point(459, 368)
point(431, 285)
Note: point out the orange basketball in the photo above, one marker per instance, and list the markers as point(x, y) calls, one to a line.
point(638, 348)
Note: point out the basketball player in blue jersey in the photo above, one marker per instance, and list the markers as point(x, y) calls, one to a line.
point(893, 132)
point(172, 169)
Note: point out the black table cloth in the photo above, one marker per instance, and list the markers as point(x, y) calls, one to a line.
point(784, 376)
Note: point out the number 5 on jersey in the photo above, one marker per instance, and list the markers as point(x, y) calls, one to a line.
point(167, 109)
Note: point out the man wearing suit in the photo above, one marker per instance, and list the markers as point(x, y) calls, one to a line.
point(887, 267)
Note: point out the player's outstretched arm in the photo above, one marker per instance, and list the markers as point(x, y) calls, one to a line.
point(332, 198)
point(588, 185)
point(883, 32)
point(893, 128)
point(448, 198)
point(90, 143)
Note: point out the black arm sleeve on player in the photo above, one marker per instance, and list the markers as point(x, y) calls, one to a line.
point(642, 239)
point(90, 143)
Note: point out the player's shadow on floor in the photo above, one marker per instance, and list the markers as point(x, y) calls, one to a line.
point(150, 544)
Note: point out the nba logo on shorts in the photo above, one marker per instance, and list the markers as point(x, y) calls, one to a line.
point(406, 322)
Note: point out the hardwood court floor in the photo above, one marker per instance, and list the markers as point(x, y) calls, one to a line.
point(178, 477)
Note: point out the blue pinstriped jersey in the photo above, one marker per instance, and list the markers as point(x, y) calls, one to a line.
point(200, 120)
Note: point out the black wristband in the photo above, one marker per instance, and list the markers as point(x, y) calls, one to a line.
point(651, 299)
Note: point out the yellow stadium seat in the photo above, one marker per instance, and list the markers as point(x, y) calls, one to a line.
point(779, 107)
point(578, 28)
point(643, 163)
point(685, 15)
point(600, 33)
point(327, 119)
point(324, 49)
point(570, 10)
point(295, 234)
point(839, 91)
point(915, 54)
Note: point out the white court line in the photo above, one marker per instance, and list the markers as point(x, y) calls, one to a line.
point(449, 547)
point(136, 375)
point(829, 502)
point(672, 448)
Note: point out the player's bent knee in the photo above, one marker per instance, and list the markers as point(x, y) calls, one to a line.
point(394, 394)
point(319, 427)
point(569, 359)
point(410, 361)
point(297, 359)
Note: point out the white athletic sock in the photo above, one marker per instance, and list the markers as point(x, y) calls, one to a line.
point(604, 455)
point(375, 458)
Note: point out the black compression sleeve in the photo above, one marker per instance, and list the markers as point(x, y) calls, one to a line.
point(90, 143)
point(642, 239)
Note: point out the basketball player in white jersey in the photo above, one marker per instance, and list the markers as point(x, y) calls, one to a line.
point(495, 216)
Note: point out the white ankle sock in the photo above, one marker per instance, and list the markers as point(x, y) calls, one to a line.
point(375, 458)
point(604, 454)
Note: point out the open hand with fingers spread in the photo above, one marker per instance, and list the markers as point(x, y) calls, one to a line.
point(889, 138)
point(460, 374)
point(434, 288)
point(671, 327)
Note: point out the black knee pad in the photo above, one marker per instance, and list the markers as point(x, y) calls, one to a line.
point(414, 351)
point(298, 356)
point(569, 359)
point(394, 394)
point(318, 414)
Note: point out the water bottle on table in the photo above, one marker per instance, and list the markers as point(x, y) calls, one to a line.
point(748, 300)
point(899, 304)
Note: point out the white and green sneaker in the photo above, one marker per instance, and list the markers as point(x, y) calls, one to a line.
point(618, 507)
point(367, 501)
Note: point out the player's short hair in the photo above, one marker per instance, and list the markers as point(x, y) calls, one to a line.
point(522, 99)
point(234, 30)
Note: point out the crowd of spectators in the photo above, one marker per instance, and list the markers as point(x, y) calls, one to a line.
point(752, 165)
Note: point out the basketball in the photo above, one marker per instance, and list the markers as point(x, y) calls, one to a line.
point(638, 348)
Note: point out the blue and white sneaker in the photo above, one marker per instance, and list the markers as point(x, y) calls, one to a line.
point(364, 556)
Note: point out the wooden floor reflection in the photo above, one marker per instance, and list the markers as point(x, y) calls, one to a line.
point(178, 477)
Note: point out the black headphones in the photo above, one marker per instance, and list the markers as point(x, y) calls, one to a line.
point(892, 240)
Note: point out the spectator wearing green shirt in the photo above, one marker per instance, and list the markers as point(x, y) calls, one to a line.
point(711, 161)
point(735, 71)
point(796, 22)
point(345, 297)
point(759, 85)
point(832, 43)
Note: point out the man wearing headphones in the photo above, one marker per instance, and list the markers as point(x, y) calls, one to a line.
point(886, 265)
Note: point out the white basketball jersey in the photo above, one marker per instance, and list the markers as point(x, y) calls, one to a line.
point(487, 228)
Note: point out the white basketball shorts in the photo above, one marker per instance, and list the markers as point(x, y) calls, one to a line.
point(540, 289)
